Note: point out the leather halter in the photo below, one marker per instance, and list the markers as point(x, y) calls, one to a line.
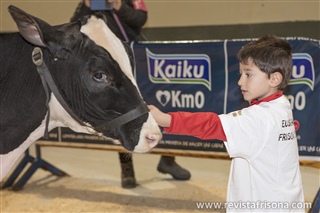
point(49, 84)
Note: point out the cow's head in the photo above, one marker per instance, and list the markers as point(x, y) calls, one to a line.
point(93, 70)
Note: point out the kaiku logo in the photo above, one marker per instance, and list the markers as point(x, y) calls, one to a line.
point(302, 70)
point(179, 68)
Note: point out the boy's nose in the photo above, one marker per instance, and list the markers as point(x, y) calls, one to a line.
point(240, 81)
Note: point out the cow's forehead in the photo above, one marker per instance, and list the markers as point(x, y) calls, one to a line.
point(97, 30)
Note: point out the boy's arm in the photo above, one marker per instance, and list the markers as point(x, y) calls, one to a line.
point(204, 125)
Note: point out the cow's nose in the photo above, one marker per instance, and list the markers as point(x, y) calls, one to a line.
point(148, 141)
point(153, 139)
point(150, 136)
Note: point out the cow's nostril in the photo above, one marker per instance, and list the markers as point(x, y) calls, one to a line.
point(152, 140)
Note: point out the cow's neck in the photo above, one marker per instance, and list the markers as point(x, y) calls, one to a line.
point(58, 118)
point(22, 97)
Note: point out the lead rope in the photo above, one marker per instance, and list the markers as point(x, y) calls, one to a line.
point(37, 59)
point(123, 32)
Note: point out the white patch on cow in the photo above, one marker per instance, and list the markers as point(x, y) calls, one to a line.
point(97, 30)
point(8, 160)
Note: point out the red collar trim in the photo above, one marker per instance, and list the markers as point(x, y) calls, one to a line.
point(267, 99)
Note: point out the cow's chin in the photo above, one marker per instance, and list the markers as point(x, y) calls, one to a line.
point(141, 139)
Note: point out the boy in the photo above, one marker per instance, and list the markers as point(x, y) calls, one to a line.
point(260, 139)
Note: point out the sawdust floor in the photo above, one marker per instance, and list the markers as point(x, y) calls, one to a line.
point(94, 185)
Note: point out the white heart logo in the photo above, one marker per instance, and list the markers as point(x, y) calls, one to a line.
point(163, 97)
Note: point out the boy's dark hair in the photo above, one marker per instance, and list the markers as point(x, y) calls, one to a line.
point(270, 54)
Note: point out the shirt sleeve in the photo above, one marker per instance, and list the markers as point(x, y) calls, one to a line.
point(203, 125)
point(247, 131)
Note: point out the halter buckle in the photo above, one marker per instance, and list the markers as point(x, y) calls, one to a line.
point(37, 56)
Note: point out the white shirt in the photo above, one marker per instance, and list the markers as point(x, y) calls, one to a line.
point(265, 171)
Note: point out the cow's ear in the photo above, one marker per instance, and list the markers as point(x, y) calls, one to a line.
point(30, 27)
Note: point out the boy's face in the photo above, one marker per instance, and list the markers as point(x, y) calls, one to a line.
point(254, 83)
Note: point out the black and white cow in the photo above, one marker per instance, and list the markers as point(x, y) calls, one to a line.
point(92, 71)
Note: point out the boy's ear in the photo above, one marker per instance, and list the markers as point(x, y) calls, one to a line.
point(276, 79)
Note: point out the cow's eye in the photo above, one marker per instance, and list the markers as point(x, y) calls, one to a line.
point(100, 77)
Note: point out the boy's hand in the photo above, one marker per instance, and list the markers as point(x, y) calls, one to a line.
point(163, 119)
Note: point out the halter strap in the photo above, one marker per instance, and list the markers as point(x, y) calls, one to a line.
point(125, 118)
point(48, 82)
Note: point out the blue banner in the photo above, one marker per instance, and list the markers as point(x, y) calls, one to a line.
point(203, 76)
